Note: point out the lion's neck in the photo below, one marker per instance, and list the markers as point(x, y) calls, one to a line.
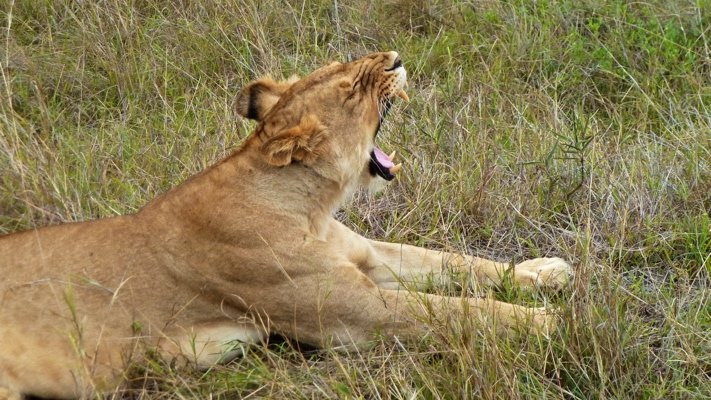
point(309, 193)
point(227, 196)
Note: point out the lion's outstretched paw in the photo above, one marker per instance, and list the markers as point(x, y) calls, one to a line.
point(545, 321)
point(550, 273)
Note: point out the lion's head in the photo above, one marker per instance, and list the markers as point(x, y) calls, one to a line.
point(327, 120)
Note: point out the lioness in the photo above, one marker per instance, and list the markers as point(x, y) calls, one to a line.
point(245, 248)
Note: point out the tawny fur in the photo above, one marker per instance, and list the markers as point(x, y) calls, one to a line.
point(245, 248)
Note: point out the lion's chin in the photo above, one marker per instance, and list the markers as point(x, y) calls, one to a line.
point(373, 184)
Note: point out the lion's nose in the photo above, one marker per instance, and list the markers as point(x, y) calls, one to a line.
point(397, 62)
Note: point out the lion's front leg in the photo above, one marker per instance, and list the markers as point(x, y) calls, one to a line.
point(339, 305)
point(395, 263)
point(390, 265)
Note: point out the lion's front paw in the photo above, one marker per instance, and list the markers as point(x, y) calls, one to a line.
point(545, 321)
point(551, 273)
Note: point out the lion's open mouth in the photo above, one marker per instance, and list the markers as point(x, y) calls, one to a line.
point(380, 163)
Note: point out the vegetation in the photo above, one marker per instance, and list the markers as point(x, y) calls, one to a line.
point(579, 129)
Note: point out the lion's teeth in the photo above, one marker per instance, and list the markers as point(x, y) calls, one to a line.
point(396, 168)
point(403, 95)
point(392, 155)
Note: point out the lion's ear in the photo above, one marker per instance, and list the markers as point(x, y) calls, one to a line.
point(302, 143)
point(257, 98)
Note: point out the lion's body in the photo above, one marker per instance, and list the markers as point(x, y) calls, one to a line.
point(245, 248)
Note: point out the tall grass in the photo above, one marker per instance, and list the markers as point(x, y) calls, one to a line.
point(579, 129)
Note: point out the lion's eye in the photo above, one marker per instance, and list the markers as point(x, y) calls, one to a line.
point(344, 85)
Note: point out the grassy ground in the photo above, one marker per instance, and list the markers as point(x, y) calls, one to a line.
point(579, 129)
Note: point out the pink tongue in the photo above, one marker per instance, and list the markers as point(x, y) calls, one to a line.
point(382, 158)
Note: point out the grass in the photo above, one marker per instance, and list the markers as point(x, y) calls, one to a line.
point(579, 129)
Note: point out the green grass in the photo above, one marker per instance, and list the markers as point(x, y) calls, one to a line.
point(579, 129)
